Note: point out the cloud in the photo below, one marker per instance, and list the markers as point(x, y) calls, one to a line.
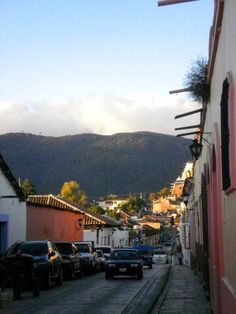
point(92, 113)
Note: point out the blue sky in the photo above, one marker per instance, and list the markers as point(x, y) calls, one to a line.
point(99, 66)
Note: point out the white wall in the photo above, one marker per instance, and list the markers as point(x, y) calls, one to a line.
point(14, 210)
point(108, 236)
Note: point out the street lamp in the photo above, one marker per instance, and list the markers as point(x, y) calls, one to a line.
point(195, 149)
point(185, 199)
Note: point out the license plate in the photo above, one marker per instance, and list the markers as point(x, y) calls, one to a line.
point(122, 270)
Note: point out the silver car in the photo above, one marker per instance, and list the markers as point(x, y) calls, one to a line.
point(159, 257)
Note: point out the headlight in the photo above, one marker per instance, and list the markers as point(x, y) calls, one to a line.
point(111, 265)
point(134, 265)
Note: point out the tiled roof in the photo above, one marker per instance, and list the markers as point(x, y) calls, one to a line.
point(8, 174)
point(90, 218)
point(111, 221)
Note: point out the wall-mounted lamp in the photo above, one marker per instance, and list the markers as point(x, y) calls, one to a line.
point(80, 223)
point(195, 149)
point(185, 199)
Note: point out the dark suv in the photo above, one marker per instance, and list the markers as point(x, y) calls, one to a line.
point(47, 261)
point(72, 261)
point(145, 252)
point(88, 256)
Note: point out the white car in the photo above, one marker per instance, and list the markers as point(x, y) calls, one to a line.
point(159, 257)
point(105, 249)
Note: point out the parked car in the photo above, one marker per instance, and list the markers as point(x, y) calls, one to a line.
point(47, 261)
point(159, 256)
point(124, 262)
point(105, 249)
point(100, 260)
point(71, 259)
point(88, 256)
point(17, 273)
point(145, 253)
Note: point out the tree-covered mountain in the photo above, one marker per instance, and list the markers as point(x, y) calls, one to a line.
point(120, 164)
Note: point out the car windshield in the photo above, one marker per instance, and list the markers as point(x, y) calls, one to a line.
point(144, 253)
point(104, 249)
point(34, 249)
point(64, 248)
point(159, 252)
point(123, 255)
point(83, 248)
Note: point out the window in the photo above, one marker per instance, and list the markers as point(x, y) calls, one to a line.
point(225, 136)
point(228, 136)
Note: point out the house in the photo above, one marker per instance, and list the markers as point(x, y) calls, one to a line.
point(215, 169)
point(49, 216)
point(111, 203)
point(212, 192)
point(110, 233)
point(12, 208)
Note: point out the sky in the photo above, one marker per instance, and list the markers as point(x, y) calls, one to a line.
point(98, 66)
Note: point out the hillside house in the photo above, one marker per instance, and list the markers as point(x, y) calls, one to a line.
point(111, 204)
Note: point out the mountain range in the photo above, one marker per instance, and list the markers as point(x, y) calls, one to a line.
point(123, 163)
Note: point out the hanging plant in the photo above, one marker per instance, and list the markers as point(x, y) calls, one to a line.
point(196, 81)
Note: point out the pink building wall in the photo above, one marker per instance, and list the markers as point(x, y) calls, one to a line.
point(53, 224)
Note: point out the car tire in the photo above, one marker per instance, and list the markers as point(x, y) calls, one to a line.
point(150, 266)
point(36, 289)
point(140, 275)
point(47, 282)
point(16, 293)
point(71, 275)
point(107, 276)
point(59, 279)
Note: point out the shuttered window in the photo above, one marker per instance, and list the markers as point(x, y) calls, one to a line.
point(225, 135)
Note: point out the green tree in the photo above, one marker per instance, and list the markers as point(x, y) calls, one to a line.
point(163, 192)
point(72, 192)
point(28, 188)
point(152, 197)
point(196, 81)
point(97, 209)
point(133, 205)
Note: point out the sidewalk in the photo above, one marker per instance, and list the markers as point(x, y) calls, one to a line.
point(183, 294)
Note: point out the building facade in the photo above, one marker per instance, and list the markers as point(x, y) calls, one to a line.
point(12, 208)
point(215, 169)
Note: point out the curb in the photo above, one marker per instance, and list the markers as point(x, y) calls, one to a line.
point(147, 297)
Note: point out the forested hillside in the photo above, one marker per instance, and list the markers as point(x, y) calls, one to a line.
point(119, 164)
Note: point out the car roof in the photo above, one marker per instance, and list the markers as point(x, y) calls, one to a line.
point(124, 250)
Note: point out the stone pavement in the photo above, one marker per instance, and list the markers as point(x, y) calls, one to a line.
point(183, 294)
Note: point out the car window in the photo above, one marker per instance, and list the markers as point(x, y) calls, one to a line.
point(124, 255)
point(159, 252)
point(65, 248)
point(13, 249)
point(104, 249)
point(99, 254)
point(83, 248)
point(142, 252)
point(35, 249)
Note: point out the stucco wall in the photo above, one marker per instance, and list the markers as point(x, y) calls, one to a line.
point(223, 253)
point(226, 62)
point(53, 224)
point(15, 210)
point(117, 238)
